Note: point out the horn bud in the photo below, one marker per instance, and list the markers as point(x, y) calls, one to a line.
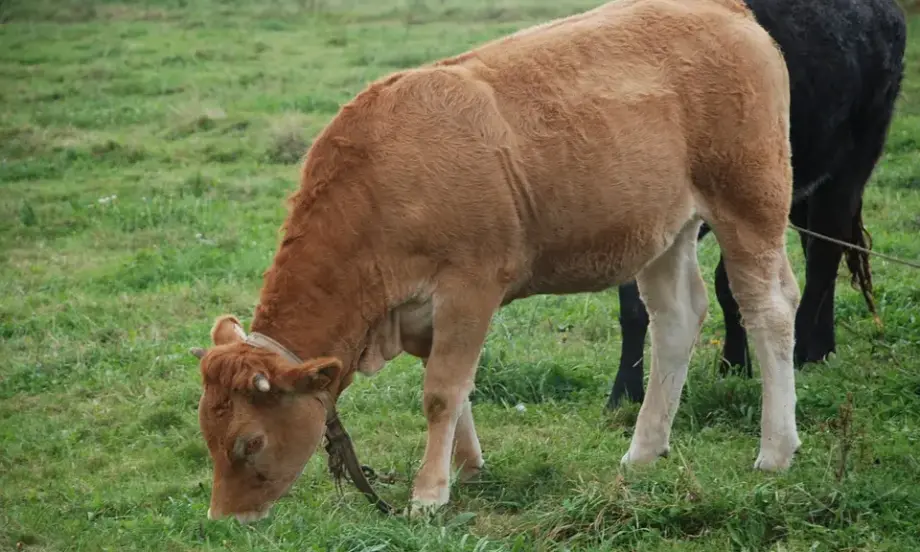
point(261, 383)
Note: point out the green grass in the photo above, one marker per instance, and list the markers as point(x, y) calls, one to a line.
point(146, 150)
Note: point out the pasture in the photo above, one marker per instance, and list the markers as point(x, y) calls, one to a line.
point(146, 151)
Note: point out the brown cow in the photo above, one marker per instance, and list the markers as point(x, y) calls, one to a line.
point(569, 157)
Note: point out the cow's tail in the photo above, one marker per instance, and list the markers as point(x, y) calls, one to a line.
point(858, 263)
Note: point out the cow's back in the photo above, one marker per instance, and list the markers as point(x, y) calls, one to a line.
point(610, 111)
point(842, 56)
point(572, 149)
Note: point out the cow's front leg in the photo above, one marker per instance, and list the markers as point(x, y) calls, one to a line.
point(467, 452)
point(460, 326)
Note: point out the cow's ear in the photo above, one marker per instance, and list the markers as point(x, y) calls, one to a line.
point(227, 329)
point(313, 375)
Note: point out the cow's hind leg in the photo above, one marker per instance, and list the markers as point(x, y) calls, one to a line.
point(831, 215)
point(461, 319)
point(675, 297)
point(633, 327)
point(834, 210)
point(762, 282)
point(736, 354)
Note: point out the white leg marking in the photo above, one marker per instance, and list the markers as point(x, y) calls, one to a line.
point(676, 299)
point(773, 333)
point(767, 294)
point(461, 323)
point(432, 482)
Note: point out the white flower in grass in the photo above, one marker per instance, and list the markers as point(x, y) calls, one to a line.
point(200, 237)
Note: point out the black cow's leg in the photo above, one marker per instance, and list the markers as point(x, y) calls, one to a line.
point(829, 215)
point(704, 229)
point(736, 355)
point(834, 210)
point(799, 217)
point(633, 325)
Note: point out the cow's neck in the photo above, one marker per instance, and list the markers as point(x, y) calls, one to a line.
point(320, 297)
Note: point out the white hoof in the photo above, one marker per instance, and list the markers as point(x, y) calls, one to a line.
point(643, 455)
point(776, 456)
point(427, 503)
point(419, 508)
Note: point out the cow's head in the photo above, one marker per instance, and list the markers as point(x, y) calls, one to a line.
point(262, 417)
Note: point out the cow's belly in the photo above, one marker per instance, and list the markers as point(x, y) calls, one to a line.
point(584, 271)
point(602, 258)
point(591, 268)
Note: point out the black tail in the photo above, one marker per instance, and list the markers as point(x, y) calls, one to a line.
point(858, 261)
point(883, 104)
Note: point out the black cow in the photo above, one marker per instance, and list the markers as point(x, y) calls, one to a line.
point(845, 62)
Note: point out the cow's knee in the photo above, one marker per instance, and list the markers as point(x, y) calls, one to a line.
point(434, 406)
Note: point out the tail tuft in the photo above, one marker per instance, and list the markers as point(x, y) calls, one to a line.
point(858, 263)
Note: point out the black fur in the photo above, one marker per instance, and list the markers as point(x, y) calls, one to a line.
point(845, 62)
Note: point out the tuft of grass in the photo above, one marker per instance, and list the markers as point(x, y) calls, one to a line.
point(287, 142)
point(194, 117)
point(27, 215)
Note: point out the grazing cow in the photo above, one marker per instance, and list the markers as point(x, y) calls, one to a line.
point(845, 64)
point(569, 157)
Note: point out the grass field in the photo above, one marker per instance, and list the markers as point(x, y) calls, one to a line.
point(146, 149)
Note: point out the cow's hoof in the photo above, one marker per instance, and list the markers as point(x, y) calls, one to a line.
point(644, 455)
point(770, 462)
point(773, 458)
point(470, 474)
point(423, 509)
point(426, 503)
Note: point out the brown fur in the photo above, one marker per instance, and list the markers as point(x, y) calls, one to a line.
point(434, 407)
point(563, 158)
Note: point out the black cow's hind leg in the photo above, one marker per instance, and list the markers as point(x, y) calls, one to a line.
point(736, 355)
point(633, 325)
